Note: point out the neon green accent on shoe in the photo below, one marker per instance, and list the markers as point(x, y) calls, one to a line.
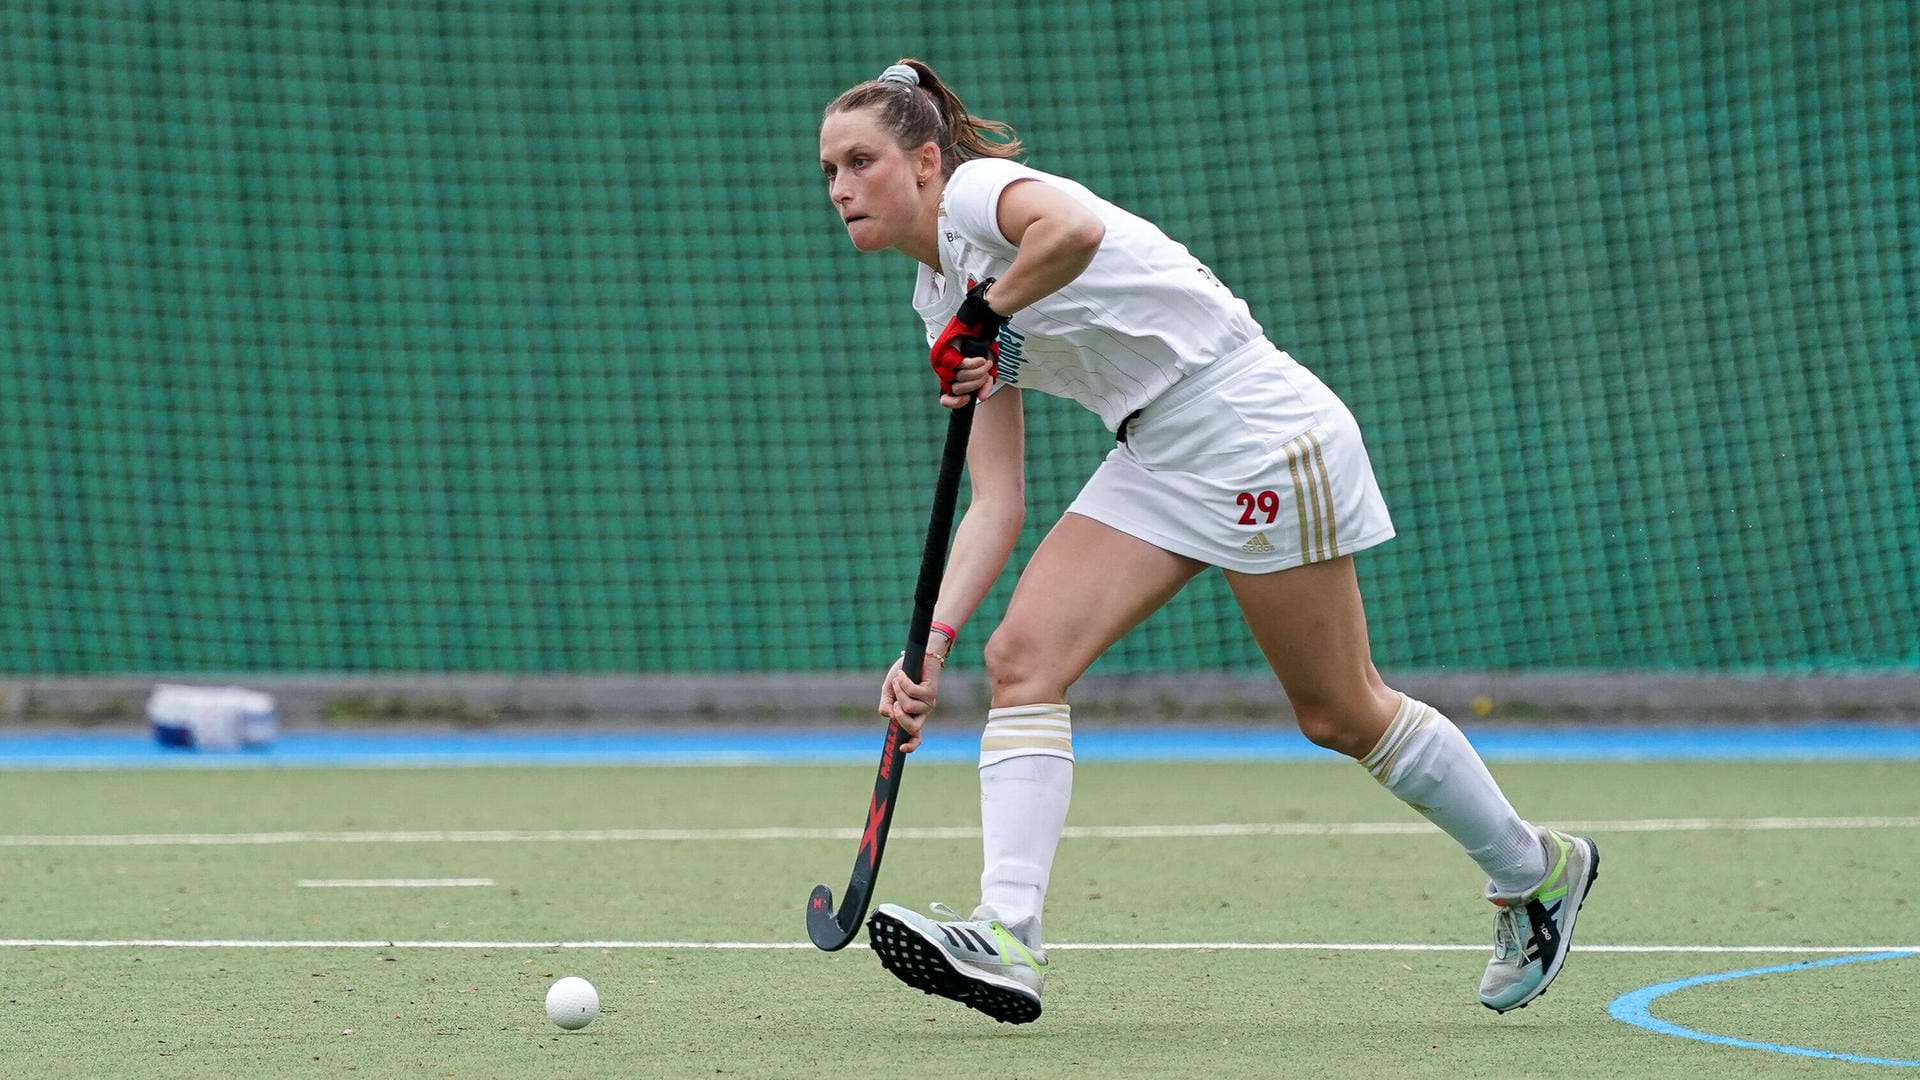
point(1013, 945)
point(1558, 875)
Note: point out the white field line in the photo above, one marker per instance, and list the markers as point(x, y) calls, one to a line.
point(1074, 832)
point(397, 883)
point(783, 946)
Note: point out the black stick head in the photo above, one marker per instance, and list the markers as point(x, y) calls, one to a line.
point(823, 926)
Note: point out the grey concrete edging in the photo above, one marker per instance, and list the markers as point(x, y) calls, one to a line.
point(484, 699)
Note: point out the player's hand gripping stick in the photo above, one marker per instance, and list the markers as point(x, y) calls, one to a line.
point(974, 330)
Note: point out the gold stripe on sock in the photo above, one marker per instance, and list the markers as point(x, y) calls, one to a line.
point(1389, 737)
point(1039, 725)
point(993, 743)
point(1015, 712)
point(1386, 767)
point(1021, 730)
point(1408, 721)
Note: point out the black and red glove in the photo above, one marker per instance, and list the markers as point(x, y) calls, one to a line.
point(973, 331)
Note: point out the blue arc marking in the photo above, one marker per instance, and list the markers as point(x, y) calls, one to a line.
point(1635, 1008)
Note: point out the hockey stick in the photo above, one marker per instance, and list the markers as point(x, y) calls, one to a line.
point(832, 930)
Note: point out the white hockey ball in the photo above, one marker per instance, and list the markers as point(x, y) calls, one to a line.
point(572, 1002)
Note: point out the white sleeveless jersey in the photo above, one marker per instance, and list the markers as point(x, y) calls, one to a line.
point(1144, 314)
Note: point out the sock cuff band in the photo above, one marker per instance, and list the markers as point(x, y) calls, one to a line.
point(1026, 730)
point(1411, 718)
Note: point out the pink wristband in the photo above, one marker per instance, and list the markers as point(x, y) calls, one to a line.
point(952, 635)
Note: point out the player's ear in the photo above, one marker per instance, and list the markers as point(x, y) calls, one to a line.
point(927, 162)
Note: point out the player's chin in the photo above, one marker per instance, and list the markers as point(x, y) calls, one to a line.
point(866, 238)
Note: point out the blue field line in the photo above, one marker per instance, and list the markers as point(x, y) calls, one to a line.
point(1636, 1008)
point(950, 743)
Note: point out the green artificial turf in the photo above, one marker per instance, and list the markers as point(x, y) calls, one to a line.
point(223, 963)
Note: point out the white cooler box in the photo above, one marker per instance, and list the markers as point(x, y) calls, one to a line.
point(212, 717)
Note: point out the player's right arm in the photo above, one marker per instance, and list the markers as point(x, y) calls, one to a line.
point(982, 544)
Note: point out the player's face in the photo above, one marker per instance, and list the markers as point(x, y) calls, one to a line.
point(870, 179)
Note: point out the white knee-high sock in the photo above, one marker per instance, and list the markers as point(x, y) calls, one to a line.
point(1026, 781)
point(1429, 765)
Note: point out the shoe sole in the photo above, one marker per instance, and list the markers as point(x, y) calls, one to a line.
point(1566, 932)
point(921, 964)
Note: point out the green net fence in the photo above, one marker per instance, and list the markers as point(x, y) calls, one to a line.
point(369, 337)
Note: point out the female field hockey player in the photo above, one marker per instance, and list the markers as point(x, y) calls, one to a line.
point(1228, 454)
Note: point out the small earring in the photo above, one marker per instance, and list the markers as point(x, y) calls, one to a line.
point(923, 183)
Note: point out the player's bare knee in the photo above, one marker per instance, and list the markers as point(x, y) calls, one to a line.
point(1007, 660)
point(1343, 730)
point(1016, 669)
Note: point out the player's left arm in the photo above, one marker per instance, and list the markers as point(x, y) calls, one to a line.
point(982, 544)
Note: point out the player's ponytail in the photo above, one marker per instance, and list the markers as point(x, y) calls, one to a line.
point(919, 108)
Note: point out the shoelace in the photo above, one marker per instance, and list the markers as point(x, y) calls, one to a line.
point(951, 917)
point(1506, 933)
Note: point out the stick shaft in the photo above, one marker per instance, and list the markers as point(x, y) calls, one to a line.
point(933, 557)
point(832, 930)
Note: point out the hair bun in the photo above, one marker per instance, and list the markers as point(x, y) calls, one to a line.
point(900, 73)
